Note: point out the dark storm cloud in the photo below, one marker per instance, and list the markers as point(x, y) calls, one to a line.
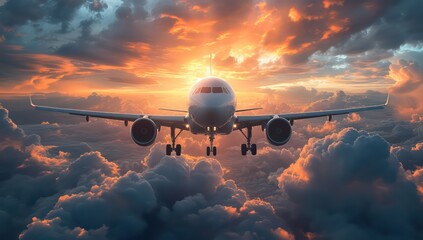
point(97, 5)
point(132, 26)
point(20, 12)
point(351, 27)
point(96, 49)
point(400, 24)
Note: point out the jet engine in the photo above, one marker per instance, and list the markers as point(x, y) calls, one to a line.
point(144, 131)
point(278, 131)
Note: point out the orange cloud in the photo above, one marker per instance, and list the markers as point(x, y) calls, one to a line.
point(333, 29)
point(330, 3)
point(327, 128)
point(252, 42)
point(48, 70)
point(283, 234)
point(353, 117)
point(294, 15)
point(406, 93)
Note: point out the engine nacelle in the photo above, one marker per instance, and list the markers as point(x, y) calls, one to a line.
point(278, 131)
point(144, 131)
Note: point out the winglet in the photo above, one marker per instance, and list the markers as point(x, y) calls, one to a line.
point(30, 102)
point(387, 101)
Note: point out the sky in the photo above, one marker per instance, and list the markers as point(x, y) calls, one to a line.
point(359, 176)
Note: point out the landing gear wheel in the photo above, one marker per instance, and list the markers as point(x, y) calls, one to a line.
point(171, 147)
point(208, 151)
point(248, 147)
point(253, 149)
point(178, 149)
point(214, 151)
point(168, 149)
point(244, 149)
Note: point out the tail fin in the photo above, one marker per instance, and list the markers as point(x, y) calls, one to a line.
point(210, 65)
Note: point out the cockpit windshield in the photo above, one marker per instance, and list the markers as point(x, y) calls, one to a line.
point(205, 90)
point(212, 90)
point(217, 90)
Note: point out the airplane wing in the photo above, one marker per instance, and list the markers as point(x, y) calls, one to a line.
point(249, 121)
point(161, 120)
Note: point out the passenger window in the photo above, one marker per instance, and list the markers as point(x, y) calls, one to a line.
point(217, 90)
point(206, 90)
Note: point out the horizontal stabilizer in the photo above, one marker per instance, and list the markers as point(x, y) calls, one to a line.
point(247, 109)
point(173, 110)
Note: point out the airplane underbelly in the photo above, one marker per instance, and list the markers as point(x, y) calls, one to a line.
point(202, 118)
point(224, 130)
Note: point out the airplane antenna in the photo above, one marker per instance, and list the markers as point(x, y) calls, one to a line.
point(211, 73)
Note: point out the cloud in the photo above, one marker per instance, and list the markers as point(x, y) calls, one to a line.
point(112, 46)
point(337, 101)
point(406, 91)
point(316, 26)
point(32, 71)
point(303, 43)
point(19, 106)
point(346, 185)
point(410, 157)
point(21, 12)
point(87, 197)
point(186, 199)
point(8, 129)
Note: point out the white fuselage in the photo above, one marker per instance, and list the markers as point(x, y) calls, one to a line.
point(211, 106)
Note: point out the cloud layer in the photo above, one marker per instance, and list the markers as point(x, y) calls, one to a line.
point(86, 197)
point(137, 42)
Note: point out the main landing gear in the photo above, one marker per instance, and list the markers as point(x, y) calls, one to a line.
point(212, 149)
point(248, 146)
point(177, 148)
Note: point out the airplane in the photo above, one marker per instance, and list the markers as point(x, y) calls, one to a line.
point(211, 111)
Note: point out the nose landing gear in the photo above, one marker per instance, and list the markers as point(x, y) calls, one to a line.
point(211, 149)
point(174, 147)
point(248, 146)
